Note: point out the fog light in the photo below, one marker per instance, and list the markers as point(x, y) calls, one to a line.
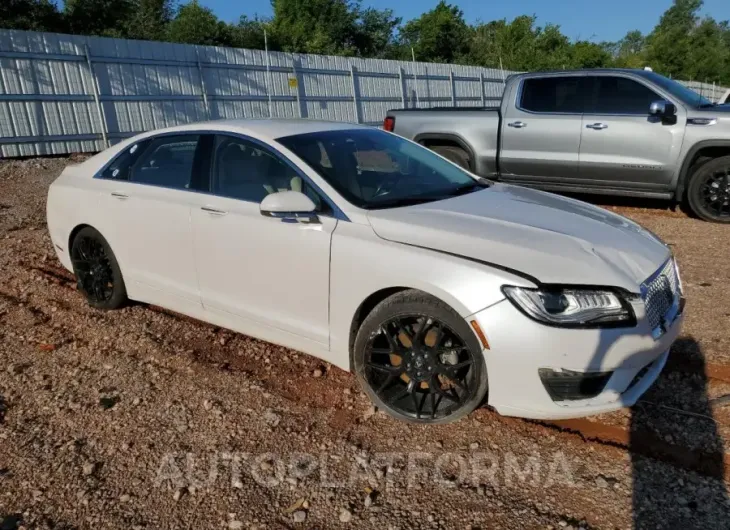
point(567, 385)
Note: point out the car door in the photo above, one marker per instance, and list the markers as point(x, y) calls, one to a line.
point(145, 200)
point(269, 270)
point(621, 144)
point(541, 129)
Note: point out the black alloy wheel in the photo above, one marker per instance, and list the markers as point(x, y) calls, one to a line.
point(96, 269)
point(716, 192)
point(708, 192)
point(418, 367)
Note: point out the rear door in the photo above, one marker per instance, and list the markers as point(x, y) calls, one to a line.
point(621, 144)
point(147, 194)
point(541, 129)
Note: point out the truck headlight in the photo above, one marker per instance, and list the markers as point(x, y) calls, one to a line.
point(571, 307)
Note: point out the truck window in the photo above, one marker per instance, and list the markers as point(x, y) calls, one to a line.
point(618, 95)
point(551, 95)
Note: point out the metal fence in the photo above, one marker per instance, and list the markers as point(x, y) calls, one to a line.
point(711, 91)
point(66, 93)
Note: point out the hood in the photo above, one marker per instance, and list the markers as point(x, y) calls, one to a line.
point(551, 238)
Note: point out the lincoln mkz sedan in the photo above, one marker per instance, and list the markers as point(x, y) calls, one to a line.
point(439, 290)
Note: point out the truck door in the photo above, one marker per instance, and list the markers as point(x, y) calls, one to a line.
point(621, 144)
point(541, 129)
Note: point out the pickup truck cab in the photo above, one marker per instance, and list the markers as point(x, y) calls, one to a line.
point(613, 131)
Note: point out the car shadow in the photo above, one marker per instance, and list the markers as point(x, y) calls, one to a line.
point(674, 486)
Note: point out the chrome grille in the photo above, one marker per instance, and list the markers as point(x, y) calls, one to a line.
point(660, 292)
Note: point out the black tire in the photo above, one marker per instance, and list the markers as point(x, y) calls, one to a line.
point(455, 154)
point(386, 366)
point(708, 192)
point(97, 272)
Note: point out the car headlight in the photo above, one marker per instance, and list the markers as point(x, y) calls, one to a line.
point(571, 307)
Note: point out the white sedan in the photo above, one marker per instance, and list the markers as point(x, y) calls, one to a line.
point(439, 289)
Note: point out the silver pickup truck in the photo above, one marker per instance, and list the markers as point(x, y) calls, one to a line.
point(617, 132)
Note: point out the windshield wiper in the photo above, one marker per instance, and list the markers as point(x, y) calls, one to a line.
point(468, 188)
point(706, 105)
point(404, 201)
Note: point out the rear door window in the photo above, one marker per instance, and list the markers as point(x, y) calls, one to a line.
point(167, 162)
point(552, 95)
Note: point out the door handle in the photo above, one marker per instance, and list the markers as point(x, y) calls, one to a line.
point(517, 124)
point(213, 211)
point(119, 195)
point(597, 126)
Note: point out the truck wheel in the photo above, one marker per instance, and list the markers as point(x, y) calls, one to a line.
point(455, 154)
point(708, 193)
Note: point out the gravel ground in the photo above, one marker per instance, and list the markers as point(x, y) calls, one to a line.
point(140, 419)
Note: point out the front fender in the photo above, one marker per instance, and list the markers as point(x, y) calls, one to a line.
point(684, 171)
point(362, 264)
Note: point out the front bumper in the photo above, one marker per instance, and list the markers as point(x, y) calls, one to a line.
point(520, 347)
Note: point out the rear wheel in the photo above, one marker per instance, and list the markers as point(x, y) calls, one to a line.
point(455, 154)
point(418, 360)
point(708, 193)
point(97, 272)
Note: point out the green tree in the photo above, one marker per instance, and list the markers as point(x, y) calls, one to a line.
point(374, 34)
point(195, 24)
point(630, 52)
point(709, 53)
point(249, 33)
point(98, 17)
point(440, 35)
point(584, 54)
point(315, 26)
point(669, 45)
point(34, 15)
point(520, 45)
point(149, 19)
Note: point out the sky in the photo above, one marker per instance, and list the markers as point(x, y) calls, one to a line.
point(596, 20)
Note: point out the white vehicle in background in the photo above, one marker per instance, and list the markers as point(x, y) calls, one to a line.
point(725, 98)
point(437, 288)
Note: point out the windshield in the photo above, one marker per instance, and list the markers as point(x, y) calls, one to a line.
point(375, 169)
point(678, 90)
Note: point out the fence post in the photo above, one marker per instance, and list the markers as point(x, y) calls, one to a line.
point(296, 78)
point(97, 101)
point(354, 93)
point(269, 81)
point(481, 88)
point(204, 92)
point(403, 94)
point(453, 88)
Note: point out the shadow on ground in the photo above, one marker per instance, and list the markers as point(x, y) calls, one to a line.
point(664, 497)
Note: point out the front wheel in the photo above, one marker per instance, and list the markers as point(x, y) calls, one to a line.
point(97, 272)
point(418, 360)
point(708, 193)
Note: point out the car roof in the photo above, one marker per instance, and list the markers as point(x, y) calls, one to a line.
point(265, 129)
point(585, 71)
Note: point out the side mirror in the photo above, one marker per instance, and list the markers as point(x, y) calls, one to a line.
point(662, 109)
point(290, 206)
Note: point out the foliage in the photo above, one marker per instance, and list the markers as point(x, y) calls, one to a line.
point(35, 15)
point(440, 35)
point(195, 24)
point(149, 19)
point(682, 45)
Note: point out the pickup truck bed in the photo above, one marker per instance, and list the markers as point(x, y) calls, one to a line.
point(472, 130)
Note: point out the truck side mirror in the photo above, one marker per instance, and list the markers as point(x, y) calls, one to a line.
point(662, 109)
